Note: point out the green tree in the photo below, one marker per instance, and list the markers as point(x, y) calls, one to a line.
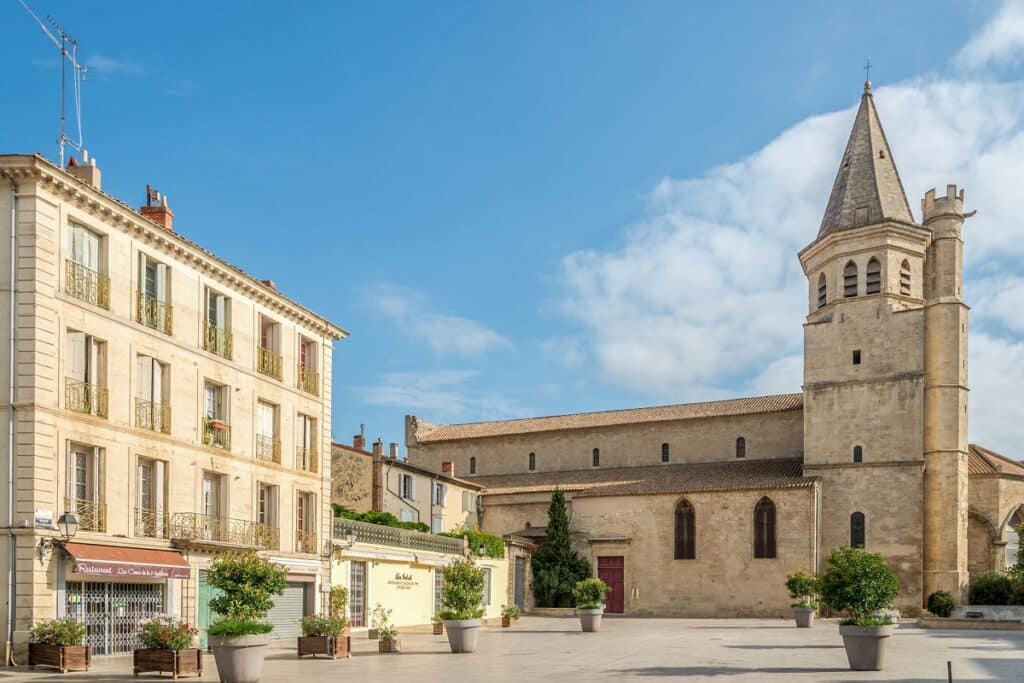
point(556, 566)
point(248, 584)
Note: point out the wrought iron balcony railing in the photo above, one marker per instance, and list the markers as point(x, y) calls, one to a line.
point(308, 380)
point(400, 538)
point(193, 526)
point(86, 284)
point(217, 433)
point(268, 448)
point(83, 397)
point(152, 416)
point(305, 542)
point(268, 362)
point(91, 514)
point(305, 459)
point(154, 313)
point(152, 524)
point(217, 340)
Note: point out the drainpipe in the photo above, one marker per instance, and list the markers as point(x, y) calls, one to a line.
point(11, 545)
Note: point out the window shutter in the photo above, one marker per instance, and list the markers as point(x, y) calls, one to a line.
point(158, 381)
point(412, 487)
point(91, 250)
point(142, 273)
point(161, 283)
point(94, 365)
point(465, 501)
point(220, 306)
point(76, 356)
point(144, 377)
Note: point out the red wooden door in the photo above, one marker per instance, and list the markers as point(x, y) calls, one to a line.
point(610, 570)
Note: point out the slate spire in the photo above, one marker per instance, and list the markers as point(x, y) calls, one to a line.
point(867, 188)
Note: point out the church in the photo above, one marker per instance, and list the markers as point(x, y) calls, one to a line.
point(702, 509)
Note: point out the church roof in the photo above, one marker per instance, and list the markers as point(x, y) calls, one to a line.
point(682, 411)
point(981, 460)
point(732, 475)
point(867, 188)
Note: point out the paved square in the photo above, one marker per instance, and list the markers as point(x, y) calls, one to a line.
point(638, 649)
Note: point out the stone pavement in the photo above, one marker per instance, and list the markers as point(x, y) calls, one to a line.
point(633, 649)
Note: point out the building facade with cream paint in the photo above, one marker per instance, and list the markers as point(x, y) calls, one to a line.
point(177, 406)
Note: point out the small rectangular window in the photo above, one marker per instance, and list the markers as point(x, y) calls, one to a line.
point(856, 357)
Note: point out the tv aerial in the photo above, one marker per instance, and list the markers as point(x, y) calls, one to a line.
point(68, 47)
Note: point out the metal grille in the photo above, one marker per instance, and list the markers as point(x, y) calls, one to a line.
point(357, 594)
point(114, 612)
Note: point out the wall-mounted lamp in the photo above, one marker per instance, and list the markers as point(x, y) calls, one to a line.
point(67, 525)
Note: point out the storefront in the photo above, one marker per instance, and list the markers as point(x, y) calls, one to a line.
point(299, 598)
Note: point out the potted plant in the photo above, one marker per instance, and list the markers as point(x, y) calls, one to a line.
point(388, 642)
point(862, 585)
point(438, 624)
point(463, 593)
point(379, 617)
point(167, 648)
point(58, 643)
point(509, 614)
point(589, 595)
point(324, 635)
point(239, 637)
point(803, 588)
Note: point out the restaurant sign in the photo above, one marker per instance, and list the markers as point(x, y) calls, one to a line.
point(142, 571)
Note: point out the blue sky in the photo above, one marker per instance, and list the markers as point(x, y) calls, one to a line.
point(535, 208)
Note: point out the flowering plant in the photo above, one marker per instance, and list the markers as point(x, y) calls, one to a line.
point(66, 632)
point(167, 633)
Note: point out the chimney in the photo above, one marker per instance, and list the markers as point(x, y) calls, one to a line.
point(156, 208)
point(393, 450)
point(448, 467)
point(87, 171)
point(359, 442)
point(378, 448)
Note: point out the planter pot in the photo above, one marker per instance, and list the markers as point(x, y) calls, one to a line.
point(866, 646)
point(389, 646)
point(372, 633)
point(438, 628)
point(239, 658)
point(463, 634)
point(804, 616)
point(590, 619)
point(63, 657)
point(506, 622)
point(332, 646)
point(187, 662)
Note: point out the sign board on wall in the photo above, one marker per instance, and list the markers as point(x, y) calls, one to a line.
point(44, 519)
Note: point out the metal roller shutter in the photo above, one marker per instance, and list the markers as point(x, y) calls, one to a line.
point(288, 611)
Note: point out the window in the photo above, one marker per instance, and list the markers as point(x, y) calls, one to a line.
point(472, 465)
point(858, 454)
point(357, 594)
point(664, 452)
point(436, 524)
point(857, 530)
point(268, 443)
point(850, 280)
point(151, 405)
point(217, 326)
point(822, 291)
point(305, 530)
point(84, 487)
point(741, 447)
point(440, 494)
point(266, 505)
point(905, 278)
point(84, 277)
point(468, 501)
point(153, 303)
point(487, 586)
point(532, 464)
point(268, 353)
point(407, 486)
point(686, 543)
point(216, 430)
point(438, 590)
point(211, 497)
point(305, 443)
point(406, 515)
point(764, 529)
point(85, 388)
point(873, 283)
point(856, 356)
point(596, 457)
point(307, 377)
point(151, 498)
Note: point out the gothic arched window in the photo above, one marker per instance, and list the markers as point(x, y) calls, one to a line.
point(850, 280)
point(822, 291)
point(686, 526)
point(873, 284)
point(858, 454)
point(596, 455)
point(905, 278)
point(664, 452)
point(764, 529)
point(741, 447)
point(857, 530)
point(472, 465)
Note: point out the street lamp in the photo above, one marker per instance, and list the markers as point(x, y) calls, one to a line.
point(67, 525)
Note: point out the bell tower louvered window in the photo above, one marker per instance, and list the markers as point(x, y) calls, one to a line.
point(873, 283)
point(850, 280)
point(905, 278)
point(822, 291)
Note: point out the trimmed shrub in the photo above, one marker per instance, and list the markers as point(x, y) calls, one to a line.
point(463, 591)
point(941, 604)
point(991, 588)
point(590, 593)
point(861, 584)
point(804, 589)
point(323, 626)
point(493, 546)
point(248, 583)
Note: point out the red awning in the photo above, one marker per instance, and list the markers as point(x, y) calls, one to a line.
point(118, 561)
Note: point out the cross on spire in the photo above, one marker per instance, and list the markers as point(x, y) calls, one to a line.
point(867, 74)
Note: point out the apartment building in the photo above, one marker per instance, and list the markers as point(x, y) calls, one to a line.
point(175, 405)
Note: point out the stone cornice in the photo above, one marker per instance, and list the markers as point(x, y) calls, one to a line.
point(911, 231)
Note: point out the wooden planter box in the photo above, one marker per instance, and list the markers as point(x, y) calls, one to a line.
point(331, 646)
point(63, 657)
point(506, 622)
point(372, 633)
point(187, 662)
point(389, 646)
point(439, 628)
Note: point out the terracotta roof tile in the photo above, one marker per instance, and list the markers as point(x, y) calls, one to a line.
point(683, 411)
point(984, 461)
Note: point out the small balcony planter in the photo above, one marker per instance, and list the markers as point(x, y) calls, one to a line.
point(325, 636)
point(462, 595)
point(178, 663)
point(57, 643)
point(589, 595)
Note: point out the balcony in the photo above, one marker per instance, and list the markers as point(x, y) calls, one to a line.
point(217, 433)
point(152, 524)
point(268, 362)
point(268, 448)
point(398, 538)
point(305, 542)
point(83, 397)
point(193, 528)
point(308, 380)
point(216, 340)
point(86, 284)
point(92, 514)
point(154, 313)
point(305, 459)
point(155, 417)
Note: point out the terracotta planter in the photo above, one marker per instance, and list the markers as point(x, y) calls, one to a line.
point(187, 662)
point(372, 633)
point(590, 619)
point(438, 628)
point(804, 616)
point(332, 646)
point(239, 658)
point(63, 657)
point(462, 634)
point(866, 646)
point(389, 646)
point(506, 622)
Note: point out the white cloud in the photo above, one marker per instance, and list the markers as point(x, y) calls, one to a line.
point(409, 309)
point(442, 395)
point(109, 66)
point(999, 43)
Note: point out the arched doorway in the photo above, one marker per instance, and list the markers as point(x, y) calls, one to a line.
point(1011, 537)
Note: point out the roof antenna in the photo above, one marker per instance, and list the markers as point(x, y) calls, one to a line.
point(68, 47)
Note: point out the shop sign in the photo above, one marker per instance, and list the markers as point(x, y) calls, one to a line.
point(403, 581)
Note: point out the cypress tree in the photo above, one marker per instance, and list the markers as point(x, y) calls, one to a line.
point(556, 566)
